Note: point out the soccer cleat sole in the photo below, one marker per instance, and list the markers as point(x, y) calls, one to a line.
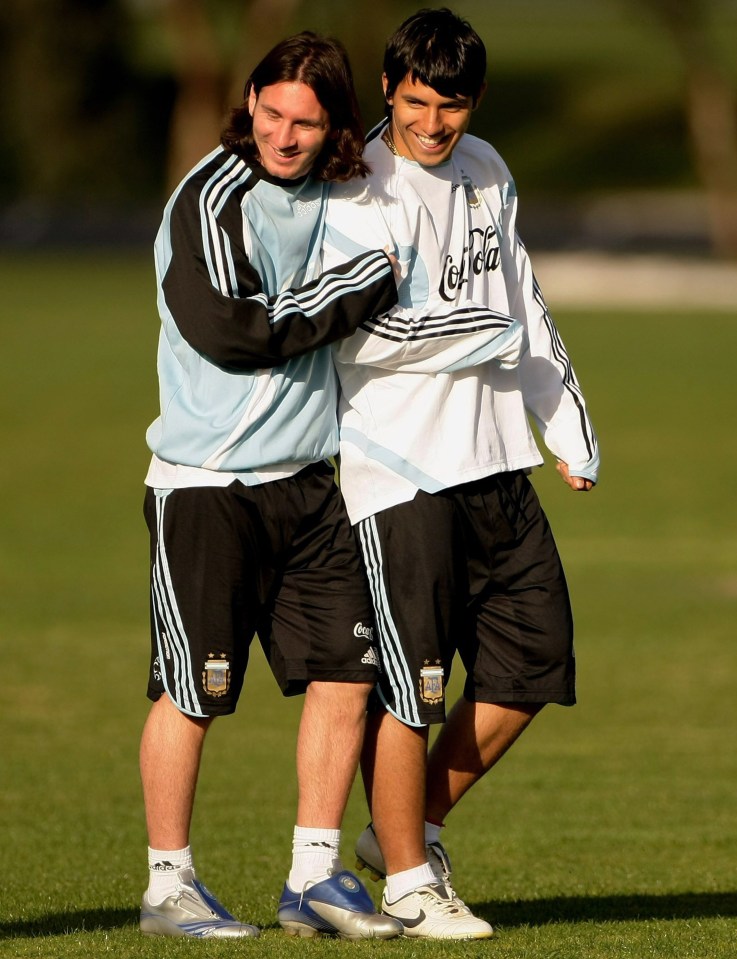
point(448, 937)
point(346, 926)
point(161, 926)
point(300, 929)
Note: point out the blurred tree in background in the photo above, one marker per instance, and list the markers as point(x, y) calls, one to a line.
point(104, 104)
point(211, 49)
point(212, 45)
point(710, 106)
point(79, 121)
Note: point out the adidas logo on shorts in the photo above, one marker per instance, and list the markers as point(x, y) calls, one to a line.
point(371, 657)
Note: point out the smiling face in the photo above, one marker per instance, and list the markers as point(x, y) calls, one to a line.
point(426, 126)
point(290, 128)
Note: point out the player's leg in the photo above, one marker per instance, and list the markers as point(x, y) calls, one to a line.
point(195, 674)
point(393, 770)
point(171, 747)
point(520, 655)
point(319, 895)
point(472, 741)
point(319, 639)
point(409, 555)
point(328, 748)
point(418, 586)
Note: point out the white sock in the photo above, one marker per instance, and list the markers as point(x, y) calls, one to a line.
point(164, 865)
point(315, 854)
point(407, 881)
point(432, 832)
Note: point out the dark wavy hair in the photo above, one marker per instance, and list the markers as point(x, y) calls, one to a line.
point(439, 49)
point(322, 64)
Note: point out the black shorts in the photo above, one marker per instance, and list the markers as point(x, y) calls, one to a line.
point(473, 569)
point(280, 560)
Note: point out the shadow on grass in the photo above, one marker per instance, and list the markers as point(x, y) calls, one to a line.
point(524, 912)
point(642, 906)
point(69, 922)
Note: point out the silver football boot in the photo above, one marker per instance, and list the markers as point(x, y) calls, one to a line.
point(192, 911)
point(338, 905)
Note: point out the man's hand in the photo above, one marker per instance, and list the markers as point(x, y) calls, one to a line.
point(396, 266)
point(578, 483)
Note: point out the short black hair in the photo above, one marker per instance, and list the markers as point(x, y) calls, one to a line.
point(441, 50)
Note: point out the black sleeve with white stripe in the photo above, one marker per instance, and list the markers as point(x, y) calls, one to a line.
point(243, 328)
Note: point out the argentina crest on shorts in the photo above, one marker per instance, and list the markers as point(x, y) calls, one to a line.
point(431, 683)
point(216, 675)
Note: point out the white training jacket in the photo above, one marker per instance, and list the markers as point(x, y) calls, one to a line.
point(437, 391)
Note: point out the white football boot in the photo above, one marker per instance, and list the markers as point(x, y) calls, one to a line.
point(369, 856)
point(449, 903)
point(433, 912)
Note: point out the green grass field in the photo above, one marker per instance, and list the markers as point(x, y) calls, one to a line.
point(610, 829)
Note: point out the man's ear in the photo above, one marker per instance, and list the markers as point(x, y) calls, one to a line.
point(385, 87)
point(480, 97)
point(252, 100)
